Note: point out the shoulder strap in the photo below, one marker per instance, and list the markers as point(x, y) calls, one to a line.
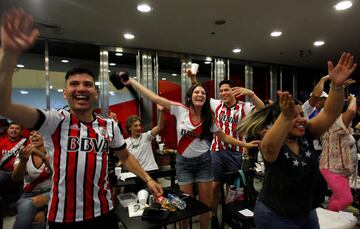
point(242, 174)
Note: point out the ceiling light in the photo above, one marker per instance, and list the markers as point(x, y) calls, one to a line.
point(163, 78)
point(97, 83)
point(174, 74)
point(111, 93)
point(118, 54)
point(236, 50)
point(208, 58)
point(207, 62)
point(112, 64)
point(319, 43)
point(343, 5)
point(51, 87)
point(276, 34)
point(24, 92)
point(144, 8)
point(65, 61)
point(60, 90)
point(129, 36)
point(20, 66)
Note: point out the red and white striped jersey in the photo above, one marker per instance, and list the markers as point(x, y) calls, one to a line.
point(227, 118)
point(35, 179)
point(188, 134)
point(79, 157)
point(8, 152)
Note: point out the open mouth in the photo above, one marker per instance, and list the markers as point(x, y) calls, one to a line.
point(82, 97)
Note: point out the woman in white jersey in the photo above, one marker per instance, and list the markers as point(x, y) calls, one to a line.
point(32, 165)
point(195, 126)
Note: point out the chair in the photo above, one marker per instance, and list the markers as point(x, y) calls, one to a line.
point(230, 211)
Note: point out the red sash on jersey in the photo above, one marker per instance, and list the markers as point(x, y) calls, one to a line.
point(8, 156)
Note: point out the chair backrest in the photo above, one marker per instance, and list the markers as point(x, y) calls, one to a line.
point(229, 179)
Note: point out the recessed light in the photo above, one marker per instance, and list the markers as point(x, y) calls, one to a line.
point(65, 61)
point(97, 83)
point(109, 70)
point(208, 58)
point(163, 78)
point(236, 50)
point(343, 5)
point(207, 62)
point(118, 54)
point(276, 34)
point(24, 92)
point(112, 64)
point(144, 8)
point(174, 74)
point(60, 90)
point(20, 66)
point(129, 36)
point(319, 43)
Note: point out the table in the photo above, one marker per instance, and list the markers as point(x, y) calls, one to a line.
point(162, 172)
point(193, 208)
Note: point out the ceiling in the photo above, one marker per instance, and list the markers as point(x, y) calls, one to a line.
point(188, 26)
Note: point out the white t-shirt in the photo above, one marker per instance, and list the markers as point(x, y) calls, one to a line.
point(188, 134)
point(141, 149)
point(35, 179)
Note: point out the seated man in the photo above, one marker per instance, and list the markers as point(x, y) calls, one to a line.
point(139, 144)
point(32, 165)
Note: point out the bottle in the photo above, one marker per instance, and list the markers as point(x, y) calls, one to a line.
point(165, 203)
point(179, 203)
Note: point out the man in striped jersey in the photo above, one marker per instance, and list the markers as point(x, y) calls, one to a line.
point(228, 113)
point(78, 140)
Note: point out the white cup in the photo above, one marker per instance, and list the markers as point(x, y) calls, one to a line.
point(118, 172)
point(194, 68)
point(143, 196)
point(161, 146)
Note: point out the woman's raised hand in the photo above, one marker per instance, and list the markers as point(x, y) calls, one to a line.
point(344, 68)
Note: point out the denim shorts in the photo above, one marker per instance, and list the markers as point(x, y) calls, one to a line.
point(194, 169)
point(225, 161)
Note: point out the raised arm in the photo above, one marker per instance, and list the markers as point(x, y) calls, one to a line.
point(318, 89)
point(133, 166)
point(240, 91)
point(148, 93)
point(160, 122)
point(275, 137)
point(192, 77)
point(17, 35)
point(350, 112)
point(335, 101)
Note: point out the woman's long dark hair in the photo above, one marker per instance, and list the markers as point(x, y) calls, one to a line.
point(206, 114)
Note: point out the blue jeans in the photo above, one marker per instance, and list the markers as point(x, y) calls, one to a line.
point(26, 211)
point(265, 218)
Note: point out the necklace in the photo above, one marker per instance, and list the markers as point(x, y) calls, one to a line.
point(135, 143)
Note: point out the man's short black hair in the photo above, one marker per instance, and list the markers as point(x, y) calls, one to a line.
point(230, 82)
point(79, 70)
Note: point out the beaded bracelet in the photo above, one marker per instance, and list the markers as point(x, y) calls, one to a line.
point(337, 88)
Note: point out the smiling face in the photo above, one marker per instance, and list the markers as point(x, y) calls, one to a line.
point(14, 132)
point(80, 92)
point(198, 96)
point(36, 139)
point(136, 129)
point(299, 125)
point(226, 94)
